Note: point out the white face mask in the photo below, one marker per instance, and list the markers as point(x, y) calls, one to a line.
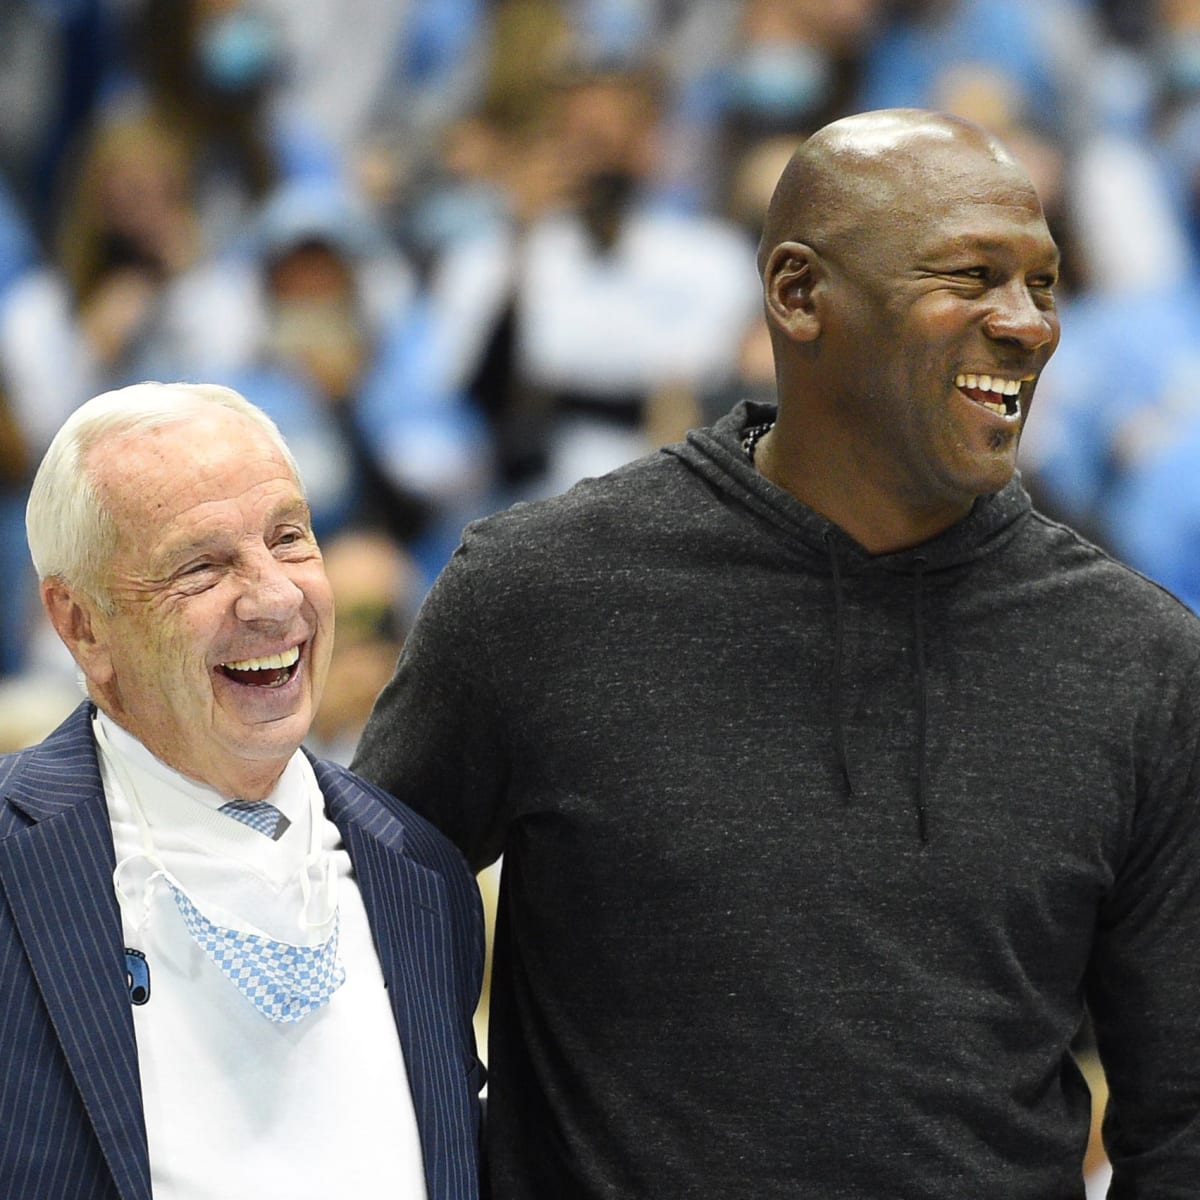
point(283, 980)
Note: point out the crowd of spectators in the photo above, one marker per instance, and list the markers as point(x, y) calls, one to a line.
point(467, 252)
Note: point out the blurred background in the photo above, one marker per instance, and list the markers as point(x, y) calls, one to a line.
point(467, 252)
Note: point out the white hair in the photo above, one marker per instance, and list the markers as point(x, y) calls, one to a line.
point(71, 534)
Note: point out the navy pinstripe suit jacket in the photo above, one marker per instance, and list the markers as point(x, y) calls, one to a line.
point(71, 1125)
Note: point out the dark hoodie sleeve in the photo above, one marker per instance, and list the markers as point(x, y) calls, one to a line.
point(434, 736)
point(1145, 973)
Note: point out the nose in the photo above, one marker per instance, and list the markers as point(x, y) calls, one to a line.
point(268, 594)
point(1016, 317)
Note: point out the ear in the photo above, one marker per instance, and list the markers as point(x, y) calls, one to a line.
point(78, 621)
point(791, 280)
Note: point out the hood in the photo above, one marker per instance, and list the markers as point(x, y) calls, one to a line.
point(716, 454)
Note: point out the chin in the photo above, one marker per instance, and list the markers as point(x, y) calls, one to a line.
point(989, 473)
point(998, 479)
point(277, 740)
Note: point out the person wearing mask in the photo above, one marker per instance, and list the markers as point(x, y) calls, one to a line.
point(229, 968)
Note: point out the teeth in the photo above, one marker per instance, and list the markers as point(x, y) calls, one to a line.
point(989, 383)
point(272, 662)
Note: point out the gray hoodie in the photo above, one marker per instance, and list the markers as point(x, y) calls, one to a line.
point(813, 857)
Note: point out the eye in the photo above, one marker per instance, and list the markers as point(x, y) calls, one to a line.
point(977, 274)
point(197, 576)
point(969, 279)
point(292, 537)
point(1042, 287)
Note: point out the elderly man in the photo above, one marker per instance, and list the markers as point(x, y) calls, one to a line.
point(831, 779)
point(228, 969)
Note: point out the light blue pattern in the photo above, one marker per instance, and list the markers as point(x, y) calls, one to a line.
point(259, 815)
point(284, 982)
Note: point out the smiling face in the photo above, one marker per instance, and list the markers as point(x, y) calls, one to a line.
point(215, 651)
point(911, 320)
point(937, 328)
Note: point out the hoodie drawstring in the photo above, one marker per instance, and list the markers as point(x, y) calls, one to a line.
point(922, 697)
point(835, 693)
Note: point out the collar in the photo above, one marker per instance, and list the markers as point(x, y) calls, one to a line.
point(716, 454)
point(180, 811)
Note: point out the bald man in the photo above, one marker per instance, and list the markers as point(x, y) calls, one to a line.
point(832, 782)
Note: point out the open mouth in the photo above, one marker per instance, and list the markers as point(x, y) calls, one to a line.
point(270, 671)
point(993, 392)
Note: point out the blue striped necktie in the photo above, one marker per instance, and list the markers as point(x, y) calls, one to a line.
point(259, 815)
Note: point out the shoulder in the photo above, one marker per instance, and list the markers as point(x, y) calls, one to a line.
point(12, 764)
point(378, 812)
point(53, 774)
point(1067, 549)
point(596, 512)
point(1117, 604)
point(12, 767)
point(570, 555)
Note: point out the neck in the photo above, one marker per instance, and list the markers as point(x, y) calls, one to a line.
point(859, 504)
point(233, 778)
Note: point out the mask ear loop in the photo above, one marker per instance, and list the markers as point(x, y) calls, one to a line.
point(327, 885)
point(126, 903)
point(315, 857)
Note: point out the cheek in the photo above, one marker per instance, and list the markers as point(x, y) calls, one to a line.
point(1055, 333)
point(184, 673)
point(318, 596)
point(183, 648)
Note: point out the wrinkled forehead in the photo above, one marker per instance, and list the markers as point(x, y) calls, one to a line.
point(142, 472)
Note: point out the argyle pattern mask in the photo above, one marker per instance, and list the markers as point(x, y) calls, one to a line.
point(284, 982)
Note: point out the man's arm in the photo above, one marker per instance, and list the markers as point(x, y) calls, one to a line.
point(1145, 975)
point(435, 737)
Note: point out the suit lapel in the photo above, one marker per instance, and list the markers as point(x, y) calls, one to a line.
point(408, 913)
point(57, 877)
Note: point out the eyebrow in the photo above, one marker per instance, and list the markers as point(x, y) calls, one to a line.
point(982, 244)
point(295, 510)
